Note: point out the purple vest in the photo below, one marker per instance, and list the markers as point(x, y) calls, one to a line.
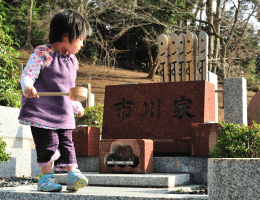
point(58, 75)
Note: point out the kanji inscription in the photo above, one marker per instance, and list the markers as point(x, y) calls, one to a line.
point(163, 112)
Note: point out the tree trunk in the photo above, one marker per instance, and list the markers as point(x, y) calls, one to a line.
point(198, 9)
point(148, 48)
point(218, 24)
point(154, 68)
point(223, 56)
point(179, 24)
point(209, 13)
point(29, 28)
point(133, 54)
point(128, 49)
point(200, 19)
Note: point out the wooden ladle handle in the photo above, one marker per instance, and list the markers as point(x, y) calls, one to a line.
point(53, 94)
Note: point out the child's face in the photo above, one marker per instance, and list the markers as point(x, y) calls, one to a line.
point(75, 45)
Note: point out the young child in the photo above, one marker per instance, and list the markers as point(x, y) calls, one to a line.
point(53, 68)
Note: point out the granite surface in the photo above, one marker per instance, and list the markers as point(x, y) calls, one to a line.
point(253, 109)
point(234, 178)
point(23, 162)
point(162, 112)
point(196, 166)
point(88, 164)
point(213, 78)
point(235, 100)
point(203, 138)
point(157, 180)
point(9, 125)
point(95, 193)
point(86, 141)
point(138, 151)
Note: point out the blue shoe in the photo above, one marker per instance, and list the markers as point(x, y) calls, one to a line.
point(47, 183)
point(76, 180)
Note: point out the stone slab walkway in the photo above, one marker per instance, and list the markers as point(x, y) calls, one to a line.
point(95, 193)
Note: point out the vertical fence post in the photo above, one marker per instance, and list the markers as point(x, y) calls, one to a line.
point(203, 56)
point(173, 58)
point(189, 58)
point(89, 95)
point(163, 52)
point(195, 54)
point(181, 58)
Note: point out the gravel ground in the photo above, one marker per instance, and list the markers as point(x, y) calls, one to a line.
point(18, 181)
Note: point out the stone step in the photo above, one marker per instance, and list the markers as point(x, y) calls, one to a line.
point(157, 180)
point(196, 166)
point(96, 193)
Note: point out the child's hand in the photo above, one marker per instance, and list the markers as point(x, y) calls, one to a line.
point(30, 92)
point(80, 114)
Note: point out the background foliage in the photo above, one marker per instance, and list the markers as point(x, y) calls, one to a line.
point(9, 71)
point(125, 33)
point(93, 116)
point(3, 155)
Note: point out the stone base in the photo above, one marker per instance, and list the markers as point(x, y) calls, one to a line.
point(197, 167)
point(203, 138)
point(126, 156)
point(157, 180)
point(86, 141)
point(234, 178)
point(23, 162)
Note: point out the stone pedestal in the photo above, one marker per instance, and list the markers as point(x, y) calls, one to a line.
point(233, 178)
point(235, 100)
point(126, 156)
point(162, 112)
point(86, 141)
point(203, 138)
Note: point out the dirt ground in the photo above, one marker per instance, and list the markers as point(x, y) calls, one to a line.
point(99, 76)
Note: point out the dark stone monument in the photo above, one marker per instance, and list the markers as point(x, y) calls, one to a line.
point(163, 112)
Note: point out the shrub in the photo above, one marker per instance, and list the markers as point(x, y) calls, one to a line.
point(3, 155)
point(9, 71)
point(93, 116)
point(237, 141)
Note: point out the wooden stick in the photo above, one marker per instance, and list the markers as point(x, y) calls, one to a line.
point(53, 94)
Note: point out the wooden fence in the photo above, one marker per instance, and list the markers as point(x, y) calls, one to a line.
point(183, 57)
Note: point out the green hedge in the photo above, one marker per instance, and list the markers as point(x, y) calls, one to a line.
point(237, 141)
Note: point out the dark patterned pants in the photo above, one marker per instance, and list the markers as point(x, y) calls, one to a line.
point(54, 145)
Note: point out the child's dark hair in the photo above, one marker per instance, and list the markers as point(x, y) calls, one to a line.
point(68, 22)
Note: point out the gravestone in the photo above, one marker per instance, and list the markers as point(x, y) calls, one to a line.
point(235, 100)
point(162, 112)
point(253, 109)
